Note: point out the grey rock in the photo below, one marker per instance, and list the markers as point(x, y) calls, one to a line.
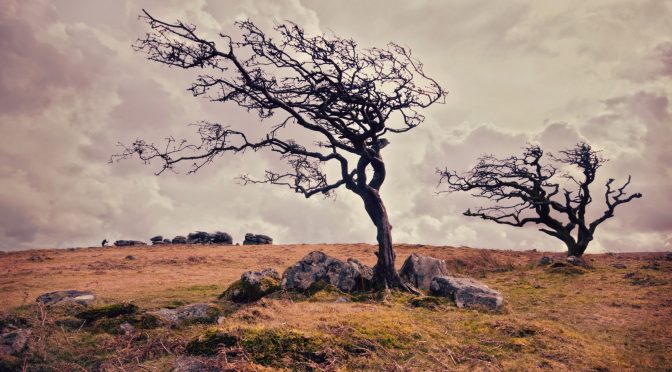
point(129, 257)
point(219, 237)
point(466, 292)
point(545, 261)
point(198, 237)
point(255, 277)
point(574, 260)
point(128, 243)
point(252, 239)
point(185, 363)
point(127, 328)
point(579, 261)
point(420, 270)
point(157, 238)
point(252, 286)
point(347, 276)
point(166, 241)
point(14, 341)
point(179, 240)
point(80, 297)
point(200, 312)
point(158, 242)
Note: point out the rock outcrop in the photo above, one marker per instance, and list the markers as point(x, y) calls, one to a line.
point(317, 267)
point(179, 240)
point(466, 292)
point(198, 237)
point(252, 286)
point(128, 243)
point(252, 239)
point(419, 270)
point(219, 237)
point(196, 313)
point(68, 296)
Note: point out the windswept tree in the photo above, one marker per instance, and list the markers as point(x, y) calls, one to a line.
point(525, 191)
point(350, 99)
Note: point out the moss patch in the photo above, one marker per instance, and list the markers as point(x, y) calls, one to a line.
point(566, 269)
point(109, 311)
point(430, 302)
point(326, 292)
point(210, 343)
point(244, 292)
point(280, 347)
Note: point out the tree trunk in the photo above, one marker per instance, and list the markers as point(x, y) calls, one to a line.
point(576, 248)
point(385, 275)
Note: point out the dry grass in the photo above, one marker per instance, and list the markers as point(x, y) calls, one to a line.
point(609, 318)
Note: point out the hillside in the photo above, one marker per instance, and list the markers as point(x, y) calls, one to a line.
point(616, 316)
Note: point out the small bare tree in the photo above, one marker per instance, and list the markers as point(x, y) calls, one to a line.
point(324, 85)
point(525, 191)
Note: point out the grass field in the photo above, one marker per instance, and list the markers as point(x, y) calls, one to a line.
point(607, 318)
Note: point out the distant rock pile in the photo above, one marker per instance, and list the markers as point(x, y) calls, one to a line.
point(179, 240)
point(199, 237)
point(202, 237)
point(159, 240)
point(252, 239)
point(128, 243)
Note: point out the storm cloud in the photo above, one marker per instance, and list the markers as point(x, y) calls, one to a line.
point(71, 88)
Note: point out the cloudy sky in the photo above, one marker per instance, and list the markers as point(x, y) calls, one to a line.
point(71, 87)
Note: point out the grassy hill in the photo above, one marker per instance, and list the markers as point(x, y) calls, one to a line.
point(617, 316)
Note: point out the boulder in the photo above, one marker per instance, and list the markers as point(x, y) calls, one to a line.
point(252, 286)
point(72, 296)
point(256, 239)
point(573, 260)
point(127, 328)
point(158, 242)
point(179, 240)
point(317, 267)
point(419, 270)
point(545, 261)
point(466, 292)
point(157, 238)
point(221, 238)
point(166, 241)
point(195, 313)
point(14, 341)
point(198, 237)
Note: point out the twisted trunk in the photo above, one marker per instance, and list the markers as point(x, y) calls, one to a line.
point(385, 275)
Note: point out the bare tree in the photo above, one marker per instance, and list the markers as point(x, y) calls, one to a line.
point(324, 85)
point(525, 191)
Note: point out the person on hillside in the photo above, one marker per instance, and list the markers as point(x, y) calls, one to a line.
point(103, 243)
